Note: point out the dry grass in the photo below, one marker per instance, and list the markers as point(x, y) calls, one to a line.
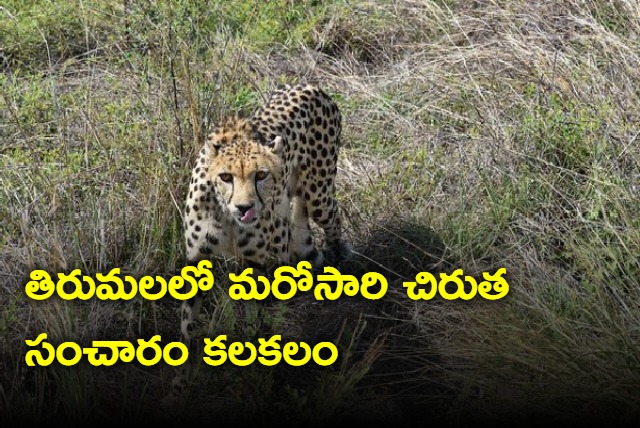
point(476, 135)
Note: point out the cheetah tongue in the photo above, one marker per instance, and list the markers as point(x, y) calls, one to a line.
point(248, 216)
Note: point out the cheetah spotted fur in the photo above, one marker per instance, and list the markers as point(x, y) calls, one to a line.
point(256, 184)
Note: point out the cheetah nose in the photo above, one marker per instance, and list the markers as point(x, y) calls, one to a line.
point(244, 208)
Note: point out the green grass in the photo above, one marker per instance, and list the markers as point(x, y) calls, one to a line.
point(477, 135)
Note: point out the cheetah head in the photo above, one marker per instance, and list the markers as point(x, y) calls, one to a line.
point(245, 174)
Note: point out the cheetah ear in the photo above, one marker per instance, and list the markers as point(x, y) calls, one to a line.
point(215, 148)
point(211, 144)
point(276, 145)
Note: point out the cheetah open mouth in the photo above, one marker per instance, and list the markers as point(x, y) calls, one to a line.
point(249, 216)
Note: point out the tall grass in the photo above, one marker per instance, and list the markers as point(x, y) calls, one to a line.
point(476, 135)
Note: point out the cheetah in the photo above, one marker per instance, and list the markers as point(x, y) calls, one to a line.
point(258, 180)
point(257, 183)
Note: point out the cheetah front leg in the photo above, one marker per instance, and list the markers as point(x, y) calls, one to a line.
point(301, 243)
point(329, 220)
point(324, 211)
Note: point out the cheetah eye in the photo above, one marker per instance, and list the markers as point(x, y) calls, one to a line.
point(261, 175)
point(226, 177)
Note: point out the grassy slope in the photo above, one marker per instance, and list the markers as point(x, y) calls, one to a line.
point(477, 135)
